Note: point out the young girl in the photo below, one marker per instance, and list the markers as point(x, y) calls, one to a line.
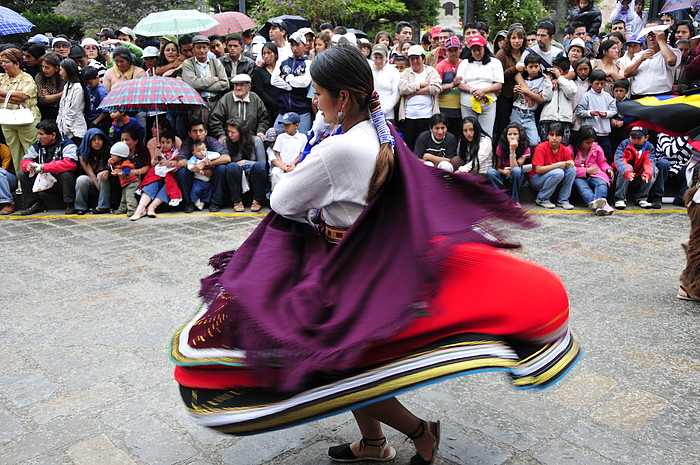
point(75, 98)
point(512, 152)
point(583, 70)
point(593, 173)
point(475, 150)
point(552, 168)
point(529, 97)
point(383, 37)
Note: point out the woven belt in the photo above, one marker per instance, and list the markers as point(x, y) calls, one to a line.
point(332, 234)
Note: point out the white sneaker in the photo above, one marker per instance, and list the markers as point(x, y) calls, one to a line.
point(644, 204)
point(597, 203)
point(621, 204)
point(566, 205)
point(199, 204)
point(545, 204)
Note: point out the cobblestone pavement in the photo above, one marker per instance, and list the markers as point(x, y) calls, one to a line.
point(89, 303)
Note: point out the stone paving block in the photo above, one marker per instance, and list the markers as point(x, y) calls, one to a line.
point(254, 450)
point(472, 448)
point(559, 452)
point(101, 371)
point(202, 434)
point(45, 332)
point(98, 450)
point(582, 390)
point(629, 409)
point(11, 426)
point(154, 442)
point(677, 429)
point(15, 385)
point(77, 403)
point(11, 359)
point(613, 444)
point(154, 334)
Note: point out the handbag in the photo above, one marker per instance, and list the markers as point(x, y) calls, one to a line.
point(19, 117)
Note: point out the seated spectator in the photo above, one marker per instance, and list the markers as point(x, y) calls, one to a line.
point(596, 108)
point(512, 154)
point(200, 164)
point(123, 70)
point(475, 150)
point(653, 72)
point(588, 14)
point(185, 177)
point(51, 153)
point(120, 122)
point(531, 85)
point(436, 146)
point(247, 159)
point(160, 125)
point(419, 86)
point(94, 157)
point(241, 103)
point(634, 162)
point(49, 86)
point(8, 181)
point(593, 173)
point(288, 147)
point(672, 157)
point(558, 100)
point(235, 62)
point(553, 167)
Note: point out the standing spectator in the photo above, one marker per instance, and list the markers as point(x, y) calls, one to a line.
point(120, 122)
point(170, 60)
point(94, 157)
point(589, 15)
point(150, 56)
point(543, 48)
point(418, 85)
point(634, 46)
point(32, 58)
point(61, 46)
point(243, 104)
point(512, 153)
point(607, 61)
point(386, 80)
point(553, 167)
point(509, 56)
point(8, 181)
point(51, 153)
point(262, 81)
point(235, 62)
point(583, 71)
point(96, 92)
point(124, 69)
point(217, 45)
point(596, 108)
point(579, 32)
point(576, 50)
point(278, 36)
point(558, 100)
point(404, 33)
point(206, 75)
point(49, 86)
point(482, 79)
point(634, 161)
point(623, 12)
point(322, 42)
point(529, 97)
point(247, 159)
point(682, 82)
point(653, 71)
point(640, 17)
point(593, 172)
point(293, 78)
point(449, 98)
point(24, 92)
point(71, 109)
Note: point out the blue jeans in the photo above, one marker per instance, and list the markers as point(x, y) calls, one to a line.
point(622, 184)
point(305, 121)
point(201, 190)
point(156, 190)
point(527, 120)
point(185, 180)
point(591, 189)
point(545, 184)
point(663, 166)
point(8, 184)
point(256, 173)
point(84, 187)
point(516, 180)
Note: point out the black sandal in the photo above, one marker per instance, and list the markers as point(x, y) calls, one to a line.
point(343, 453)
point(434, 433)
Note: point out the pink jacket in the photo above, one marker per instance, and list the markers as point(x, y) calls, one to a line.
point(595, 157)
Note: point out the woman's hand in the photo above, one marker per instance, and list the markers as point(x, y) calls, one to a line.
point(103, 175)
point(478, 93)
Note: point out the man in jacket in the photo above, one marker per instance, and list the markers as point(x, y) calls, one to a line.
point(206, 75)
point(235, 62)
point(293, 78)
point(241, 103)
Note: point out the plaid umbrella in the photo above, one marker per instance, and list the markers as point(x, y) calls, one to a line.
point(174, 22)
point(12, 22)
point(230, 22)
point(151, 94)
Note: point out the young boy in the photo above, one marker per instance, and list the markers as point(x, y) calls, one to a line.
point(552, 167)
point(558, 100)
point(164, 166)
point(120, 121)
point(634, 160)
point(596, 108)
point(401, 63)
point(199, 164)
point(121, 165)
point(95, 118)
point(288, 147)
point(529, 97)
point(619, 123)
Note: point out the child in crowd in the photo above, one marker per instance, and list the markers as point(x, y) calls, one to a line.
point(529, 97)
point(97, 92)
point(120, 121)
point(121, 165)
point(619, 123)
point(163, 168)
point(634, 160)
point(593, 173)
point(199, 164)
point(558, 100)
point(583, 71)
point(288, 147)
point(401, 63)
point(512, 154)
point(475, 149)
point(596, 108)
point(553, 167)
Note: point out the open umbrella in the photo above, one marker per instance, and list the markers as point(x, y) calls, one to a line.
point(230, 22)
point(675, 5)
point(293, 23)
point(358, 33)
point(12, 22)
point(174, 22)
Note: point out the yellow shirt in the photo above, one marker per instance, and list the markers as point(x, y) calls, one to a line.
point(24, 83)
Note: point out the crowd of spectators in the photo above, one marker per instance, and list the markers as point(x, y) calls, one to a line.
point(524, 109)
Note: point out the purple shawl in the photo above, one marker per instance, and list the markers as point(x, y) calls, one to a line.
point(303, 305)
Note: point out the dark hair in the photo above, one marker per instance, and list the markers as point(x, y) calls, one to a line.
point(381, 34)
point(52, 59)
point(487, 56)
point(168, 135)
point(583, 61)
point(531, 32)
point(401, 58)
point(604, 47)
point(618, 21)
point(271, 46)
point(163, 123)
point(197, 143)
point(617, 35)
point(195, 122)
point(184, 40)
point(523, 142)
point(686, 23)
point(481, 26)
point(340, 30)
point(531, 58)
point(234, 37)
point(437, 118)
point(471, 25)
point(49, 126)
point(469, 151)
point(76, 51)
point(562, 62)
point(325, 38)
point(246, 144)
point(133, 132)
point(214, 37)
point(123, 52)
point(548, 26)
point(584, 133)
point(576, 24)
point(325, 26)
point(425, 38)
point(74, 77)
point(513, 30)
point(403, 24)
point(624, 83)
point(35, 50)
point(162, 61)
point(597, 75)
point(89, 73)
point(557, 128)
point(330, 73)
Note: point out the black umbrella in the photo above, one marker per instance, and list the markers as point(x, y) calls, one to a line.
point(293, 22)
point(358, 33)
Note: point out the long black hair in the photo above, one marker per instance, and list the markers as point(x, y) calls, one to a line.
point(523, 143)
point(74, 77)
point(245, 145)
point(469, 151)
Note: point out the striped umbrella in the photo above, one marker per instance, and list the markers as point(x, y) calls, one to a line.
point(151, 94)
point(12, 22)
point(230, 22)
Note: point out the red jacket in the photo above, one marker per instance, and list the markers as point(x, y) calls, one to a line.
point(63, 158)
point(637, 161)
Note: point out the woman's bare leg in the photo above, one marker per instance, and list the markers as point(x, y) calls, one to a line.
point(143, 203)
point(155, 204)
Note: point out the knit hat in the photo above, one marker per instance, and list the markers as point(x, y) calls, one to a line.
point(120, 149)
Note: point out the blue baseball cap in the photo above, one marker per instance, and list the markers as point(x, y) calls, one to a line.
point(290, 118)
point(633, 39)
point(40, 39)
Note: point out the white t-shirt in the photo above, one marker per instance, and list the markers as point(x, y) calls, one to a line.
point(420, 106)
point(654, 76)
point(479, 76)
point(289, 147)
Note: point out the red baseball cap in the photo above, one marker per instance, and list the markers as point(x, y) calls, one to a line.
point(434, 32)
point(477, 40)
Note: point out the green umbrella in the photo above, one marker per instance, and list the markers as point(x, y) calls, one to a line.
point(174, 22)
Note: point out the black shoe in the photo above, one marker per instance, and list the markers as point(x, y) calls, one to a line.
point(189, 208)
point(80, 212)
point(656, 204)
point(71, 211)
point(214, 208)
point(36, 207)
point(678, 202)
point(100, 211)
